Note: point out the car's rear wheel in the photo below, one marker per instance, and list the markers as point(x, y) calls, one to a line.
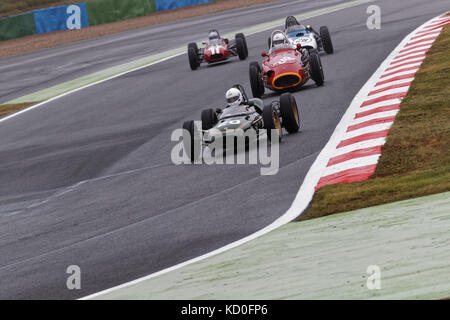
point(191, 140)
point(242, 36)
point(316, 67)
point(289, 113)
point(256, 82)
point(240, 47)
point(326, 40)
point(193, 56)
point(271, 122)
point(209, 119)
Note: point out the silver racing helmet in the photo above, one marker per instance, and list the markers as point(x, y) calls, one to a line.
point(234, 97)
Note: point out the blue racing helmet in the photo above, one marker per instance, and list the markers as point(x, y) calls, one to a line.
point(213, 35)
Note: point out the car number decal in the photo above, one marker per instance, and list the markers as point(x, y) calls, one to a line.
point(227, 122)
point(283, 60)
point(214, 50)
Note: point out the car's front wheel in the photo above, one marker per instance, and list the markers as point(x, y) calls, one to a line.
point(326, 40)
point(191, 140)
point(241, 35)
point(209, 119)
point(193, 56)
point(240, 47)
point(289, 113)
point(256, 82)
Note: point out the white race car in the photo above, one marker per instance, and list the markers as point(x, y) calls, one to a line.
point(307, 37)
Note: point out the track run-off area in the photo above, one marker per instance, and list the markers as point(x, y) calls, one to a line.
point(89, 176)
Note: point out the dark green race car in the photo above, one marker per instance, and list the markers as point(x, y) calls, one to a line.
point(249, 119)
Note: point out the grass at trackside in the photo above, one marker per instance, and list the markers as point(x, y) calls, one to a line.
point(11, 7)
point(416, 157)
point(6, 109)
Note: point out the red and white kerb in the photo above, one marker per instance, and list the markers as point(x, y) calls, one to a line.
point(356, 155)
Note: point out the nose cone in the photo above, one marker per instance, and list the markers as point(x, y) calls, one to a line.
point(286, 80)
point(286, 70)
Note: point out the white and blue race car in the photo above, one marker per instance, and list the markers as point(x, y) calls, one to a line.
point(307, 37)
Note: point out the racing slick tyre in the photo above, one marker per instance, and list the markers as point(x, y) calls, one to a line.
point(316, 67)
point(193, 45)
point(193, 56)
point(289, 113)
point(191, 140)
point(255, 80)
point(271, 121)
point(240, 47)
point(326, 40)
point(241, 35)
point(209, 119)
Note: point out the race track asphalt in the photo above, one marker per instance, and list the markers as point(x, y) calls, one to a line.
point(87, 179)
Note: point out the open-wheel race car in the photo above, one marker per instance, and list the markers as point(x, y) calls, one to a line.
point(285, 67)
point(217, 49)
point(307, 37)
point(241, 115)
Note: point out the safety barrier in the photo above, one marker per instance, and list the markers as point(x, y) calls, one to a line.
point(68, 17)
point(81, 15)
point(105, 11)
point(175, 4)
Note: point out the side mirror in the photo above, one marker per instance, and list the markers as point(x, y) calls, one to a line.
point(299, 46)
point(226, 41)
point(203, 42)
point(263, 54)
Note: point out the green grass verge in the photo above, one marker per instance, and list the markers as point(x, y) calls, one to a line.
point(416, 157)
